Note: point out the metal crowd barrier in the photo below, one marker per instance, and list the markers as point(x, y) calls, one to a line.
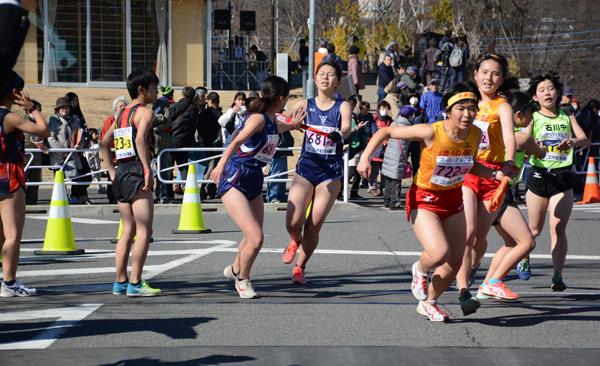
point(276, 178)
point(587, 150)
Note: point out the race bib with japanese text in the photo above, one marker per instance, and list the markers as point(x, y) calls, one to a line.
point(124, 143)
point(450, 170)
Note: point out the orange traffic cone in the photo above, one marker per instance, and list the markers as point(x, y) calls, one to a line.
point(591, 192)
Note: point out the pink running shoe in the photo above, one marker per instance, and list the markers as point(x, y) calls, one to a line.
point(290, 252)
point(298, 276)
point(499, 291)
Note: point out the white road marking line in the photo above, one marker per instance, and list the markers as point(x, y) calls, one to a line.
point(79, 220)
point(67, 317)
point(149, 270)
point(404, 254)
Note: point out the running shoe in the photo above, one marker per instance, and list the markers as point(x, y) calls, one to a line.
point(142, 290)
point(524, 270)
point(431, 310)
point(499, 291)
point(419, 283)
point(17, 289)
point(244, 289)
point(468, 303)
point(480, 294)
point(229, 273)
point(473, 275)
point(290, 252)
point(120, 288)
point(298, 276)
point(557, 284)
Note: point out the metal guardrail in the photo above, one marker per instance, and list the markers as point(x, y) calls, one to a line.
point(276, 178)
point(68, 180)
point(587, 149)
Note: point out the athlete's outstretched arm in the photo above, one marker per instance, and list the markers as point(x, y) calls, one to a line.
point(421, 132)
point(527, 143)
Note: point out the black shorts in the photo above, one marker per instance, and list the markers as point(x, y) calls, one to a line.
point(129, 180)
point(509, 200)
point(547, 183)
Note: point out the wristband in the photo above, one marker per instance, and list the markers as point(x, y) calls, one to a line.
point(282, 118)
point(494, 173)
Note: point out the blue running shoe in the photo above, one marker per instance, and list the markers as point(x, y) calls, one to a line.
point(119, 288)
point(524, 270)
point(141, 290)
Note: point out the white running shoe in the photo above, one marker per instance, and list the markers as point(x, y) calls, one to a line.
point(18, 289)
point(228, 272)
point(244, 289)
point(419, 283)
point(431, 310)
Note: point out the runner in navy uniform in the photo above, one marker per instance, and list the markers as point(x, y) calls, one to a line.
point(240, 176)
point(319, 171)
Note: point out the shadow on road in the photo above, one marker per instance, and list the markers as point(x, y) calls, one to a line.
point(174, 328)
point(209, 360)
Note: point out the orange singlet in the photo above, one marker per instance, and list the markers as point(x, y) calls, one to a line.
point(445, 163)
point(442, 169)
point(491, 147)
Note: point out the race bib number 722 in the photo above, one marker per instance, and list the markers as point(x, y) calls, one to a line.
point(451, 169)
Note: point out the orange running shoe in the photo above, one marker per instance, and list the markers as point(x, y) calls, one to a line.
point(290, 252)
point(298, 276)
point(499, 291)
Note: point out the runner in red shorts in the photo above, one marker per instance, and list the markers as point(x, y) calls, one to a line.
point(434, 202)
point(496, 151)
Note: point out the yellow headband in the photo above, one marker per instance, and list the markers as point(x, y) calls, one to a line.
point(461, 96)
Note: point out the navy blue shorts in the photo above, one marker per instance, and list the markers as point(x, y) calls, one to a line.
point(248, 180)
point(318, 171)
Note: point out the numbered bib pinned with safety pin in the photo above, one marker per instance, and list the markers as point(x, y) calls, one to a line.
point(450, 170)
point(123, 138)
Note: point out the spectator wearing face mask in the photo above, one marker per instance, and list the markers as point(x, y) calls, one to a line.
point(382, 119)
point(431, 101)
point(394, 161)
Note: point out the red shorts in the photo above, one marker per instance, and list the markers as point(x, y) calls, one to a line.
point(12, 177)
point(483, 188)
point(442, 203)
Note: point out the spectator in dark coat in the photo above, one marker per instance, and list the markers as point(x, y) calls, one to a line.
point(184, 124)
point(384, 77)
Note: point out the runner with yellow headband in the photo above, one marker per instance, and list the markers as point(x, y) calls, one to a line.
point(434, 202)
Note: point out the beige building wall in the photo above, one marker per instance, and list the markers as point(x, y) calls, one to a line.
point(27, 63)
point(189, 42)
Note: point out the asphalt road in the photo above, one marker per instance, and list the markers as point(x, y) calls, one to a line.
point(356, 309)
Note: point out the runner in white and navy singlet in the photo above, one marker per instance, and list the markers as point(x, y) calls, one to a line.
point(244, 170)
point(240, 176)
point(321, 158)
point(319, 171)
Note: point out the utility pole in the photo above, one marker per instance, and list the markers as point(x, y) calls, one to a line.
point(310, 93)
